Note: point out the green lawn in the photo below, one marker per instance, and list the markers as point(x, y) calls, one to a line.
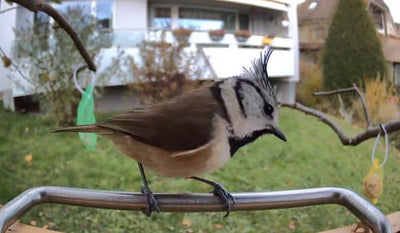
point(312, 157)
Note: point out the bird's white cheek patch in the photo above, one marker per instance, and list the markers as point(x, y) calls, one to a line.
point(220, 149)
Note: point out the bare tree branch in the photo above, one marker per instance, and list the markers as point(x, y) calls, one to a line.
point(41, 5)
point(3, 54)
point(350, 89)
point(390, 126)
point(8, 9)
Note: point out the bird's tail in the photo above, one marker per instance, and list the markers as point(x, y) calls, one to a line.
point(85, 129)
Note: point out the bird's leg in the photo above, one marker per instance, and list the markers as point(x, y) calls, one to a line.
point(219, 191)
point(151, 200)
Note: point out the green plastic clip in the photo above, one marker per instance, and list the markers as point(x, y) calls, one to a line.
point(86, 117)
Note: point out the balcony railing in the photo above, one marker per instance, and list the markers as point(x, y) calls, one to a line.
point(132, 38)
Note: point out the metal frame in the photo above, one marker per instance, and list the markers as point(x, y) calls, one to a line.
point(361, 208)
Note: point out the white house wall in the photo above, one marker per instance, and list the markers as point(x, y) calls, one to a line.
point(130, 15)
point(6, 41)
point(293, 33)
point(130, 24)
point(225, 67)
point(268, 23)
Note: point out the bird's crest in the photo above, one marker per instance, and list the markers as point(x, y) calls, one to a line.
point(259, 72)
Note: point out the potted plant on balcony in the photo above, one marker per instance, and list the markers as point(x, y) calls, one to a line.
point(182, 34)
point(217, 35)
point(267, 40)
point(242, 35)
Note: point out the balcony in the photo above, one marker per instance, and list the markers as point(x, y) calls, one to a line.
point(225, 58)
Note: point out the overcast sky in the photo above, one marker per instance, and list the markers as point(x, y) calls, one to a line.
point(394, 6)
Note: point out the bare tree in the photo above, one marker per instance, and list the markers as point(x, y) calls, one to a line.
point(41, 5)
point(369, 132)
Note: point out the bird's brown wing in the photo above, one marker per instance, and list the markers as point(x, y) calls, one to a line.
point(183, 123)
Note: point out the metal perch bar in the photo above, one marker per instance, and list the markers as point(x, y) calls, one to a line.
point(361, 208)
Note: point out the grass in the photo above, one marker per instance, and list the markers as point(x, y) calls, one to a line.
point(312, 157)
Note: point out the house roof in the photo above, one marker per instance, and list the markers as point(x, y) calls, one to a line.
point(322, 10)
point(380, 3)
point(390, 48)
point(311, 10)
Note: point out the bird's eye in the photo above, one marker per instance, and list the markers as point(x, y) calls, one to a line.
point(268, 109)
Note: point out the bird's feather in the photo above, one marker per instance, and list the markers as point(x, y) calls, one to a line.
point(183, 123)
point(180, 124)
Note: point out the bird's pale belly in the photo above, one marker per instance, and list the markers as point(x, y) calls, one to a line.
point(171, 164)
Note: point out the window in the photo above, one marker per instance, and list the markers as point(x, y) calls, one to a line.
point(41, 28)
point(104, 13)
point(162, 18)
point(396, 74)
point(199, 19)
point(41, 22)
point(319, 33)
point(86, 6)
point(378, 16)
point(101, 10)
point(202, 20)
point(244, 21)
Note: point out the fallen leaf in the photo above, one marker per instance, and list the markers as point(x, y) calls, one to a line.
point(218, 226)
point(29, 158)
point(290, 182)
point(186, 222)
point(292, 225)
point(45, 226)
point(190, 230)
point(266, 168)
point(26, 129)
point(33, 223)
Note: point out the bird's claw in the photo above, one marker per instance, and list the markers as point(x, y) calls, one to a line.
point(152, 203)
point(225, 196)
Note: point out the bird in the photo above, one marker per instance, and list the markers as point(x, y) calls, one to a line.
point(196, 132)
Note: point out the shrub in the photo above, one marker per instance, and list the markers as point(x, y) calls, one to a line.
point(49, 62)
point(381, 100)
point(352, 49)
point(311, 81)
point(164, 70)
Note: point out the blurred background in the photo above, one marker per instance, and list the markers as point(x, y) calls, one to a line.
point(148, 51)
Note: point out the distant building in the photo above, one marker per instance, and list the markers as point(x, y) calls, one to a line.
point(314, 18)
point(129, 20)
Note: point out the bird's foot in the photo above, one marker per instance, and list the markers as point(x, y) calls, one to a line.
point(219, 191)
point(152, 203)
point(225, 196)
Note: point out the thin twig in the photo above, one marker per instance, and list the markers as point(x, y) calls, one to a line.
point(40, 5)
point(367, 117)
point(390, 126)
point(350, 89)
point(16, 67)
point(337, 91)
point(8, 9)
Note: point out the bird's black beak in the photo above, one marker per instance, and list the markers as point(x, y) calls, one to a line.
point(278, 133)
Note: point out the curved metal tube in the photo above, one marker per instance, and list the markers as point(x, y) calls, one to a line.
point(361, 208)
